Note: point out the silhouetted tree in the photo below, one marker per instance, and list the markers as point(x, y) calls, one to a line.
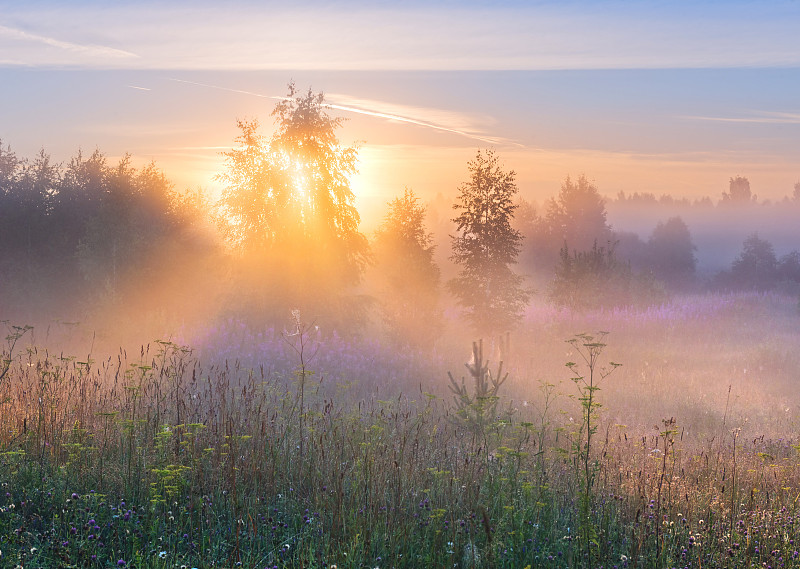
point(789, 267)
point(756, 266)
point(576, 216)
point(408, 277)
point(671, 253)
point(291, 210)
point(132, 217)
point(70, 233)
point(738, 192)
point(486, 247)
point(27, 250)
point(796, 194)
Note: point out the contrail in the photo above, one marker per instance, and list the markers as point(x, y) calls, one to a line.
point(368, 112)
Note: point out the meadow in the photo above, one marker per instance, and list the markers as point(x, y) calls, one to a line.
point(663, 437)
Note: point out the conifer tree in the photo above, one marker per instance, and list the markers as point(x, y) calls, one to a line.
point(486, 248)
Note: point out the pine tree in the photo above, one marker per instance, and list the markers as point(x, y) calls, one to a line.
point(486, 247)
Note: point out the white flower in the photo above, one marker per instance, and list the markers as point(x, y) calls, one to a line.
point(162, 554)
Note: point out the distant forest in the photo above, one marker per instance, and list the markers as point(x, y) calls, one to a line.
point(94, 237)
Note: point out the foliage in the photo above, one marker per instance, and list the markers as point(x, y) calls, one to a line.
point(408, 277)
point(74, 232)
point(133, 218)
point(789, 267)
point(755, 268)
point(595, 278)
point(478, 411)
point(671, 253)
point(289, 210)
point(486, 246)
point(577, 215)
point(739, 192)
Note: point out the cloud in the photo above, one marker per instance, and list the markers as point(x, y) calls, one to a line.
point(365, 36)
point(19, 38)
point(436, 119)
point(760, 117)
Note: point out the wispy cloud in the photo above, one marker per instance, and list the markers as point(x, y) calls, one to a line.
point(92, 50)
point(367, 36)
point(762, 117)
point(436, 119)
point(139, 88)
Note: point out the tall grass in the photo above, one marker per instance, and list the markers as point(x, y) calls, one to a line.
point(167, 457)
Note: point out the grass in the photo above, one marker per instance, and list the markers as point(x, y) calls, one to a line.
point(171, 457)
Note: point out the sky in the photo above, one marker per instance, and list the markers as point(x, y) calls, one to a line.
point(650, 96)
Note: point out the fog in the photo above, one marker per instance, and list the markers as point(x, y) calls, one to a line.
point(485, 366)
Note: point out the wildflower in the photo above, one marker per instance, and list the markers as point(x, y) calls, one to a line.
point(162, 554)
point(121, 563)
point(623, 558)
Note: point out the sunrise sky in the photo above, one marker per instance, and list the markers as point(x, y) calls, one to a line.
point(662, 97)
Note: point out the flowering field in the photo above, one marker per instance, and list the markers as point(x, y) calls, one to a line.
point(296, 448)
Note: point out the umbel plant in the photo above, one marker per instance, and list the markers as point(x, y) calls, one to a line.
point(587, 376)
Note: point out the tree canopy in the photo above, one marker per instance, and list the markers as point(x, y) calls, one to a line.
point(289, 208)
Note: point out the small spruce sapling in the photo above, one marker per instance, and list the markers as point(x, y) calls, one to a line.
point(479, 410)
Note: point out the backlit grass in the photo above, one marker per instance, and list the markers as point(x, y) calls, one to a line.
point(357, 455)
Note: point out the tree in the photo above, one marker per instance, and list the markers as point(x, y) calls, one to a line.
point(290, 209)
point(486, 247)
point(408, 278)
point(576, 216)
point(738, 192)
point(756, 266)
point(789, 267)
point(671, 253)
point(132, 219)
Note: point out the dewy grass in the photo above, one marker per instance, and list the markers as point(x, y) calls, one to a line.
point(161, 458)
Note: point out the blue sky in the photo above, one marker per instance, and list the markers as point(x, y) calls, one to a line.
point(669, 97)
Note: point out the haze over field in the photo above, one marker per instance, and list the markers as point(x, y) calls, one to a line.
point(345, 283)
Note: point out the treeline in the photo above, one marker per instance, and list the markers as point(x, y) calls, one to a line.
point(90, 233)
point(93, 237)
point(581, 261)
